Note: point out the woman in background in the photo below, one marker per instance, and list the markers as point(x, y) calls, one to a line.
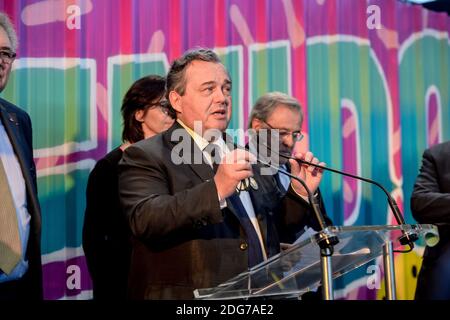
point(105, 231)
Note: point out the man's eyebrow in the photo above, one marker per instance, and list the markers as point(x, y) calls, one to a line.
point(208, 83)
point(212, 82)
point(6, 48)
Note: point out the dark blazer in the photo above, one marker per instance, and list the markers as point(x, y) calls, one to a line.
point(182, 240)
point(105, 230)
point(17, 124)
point(430, 203)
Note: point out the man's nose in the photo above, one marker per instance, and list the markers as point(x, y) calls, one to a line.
point(288, 141)
point(220, 95)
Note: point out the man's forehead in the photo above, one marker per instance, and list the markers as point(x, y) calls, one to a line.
point(209, 71)
point(287, 117)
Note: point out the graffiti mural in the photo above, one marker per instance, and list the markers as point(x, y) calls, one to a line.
point(372, 77)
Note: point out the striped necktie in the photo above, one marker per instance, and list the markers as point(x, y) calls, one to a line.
point(255, 254)
point(10, 246)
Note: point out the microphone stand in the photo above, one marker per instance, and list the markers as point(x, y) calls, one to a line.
point(408, 237)
point(325, 239)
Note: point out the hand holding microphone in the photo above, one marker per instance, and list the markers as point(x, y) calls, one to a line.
point(234, 167)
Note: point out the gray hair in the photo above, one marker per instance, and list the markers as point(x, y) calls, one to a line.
point(6, 24)
point(176, 80)
point(267, 103)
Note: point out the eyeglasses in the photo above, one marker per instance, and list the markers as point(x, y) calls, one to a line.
point(296, 135)
point(165, 108)
point(7, 56)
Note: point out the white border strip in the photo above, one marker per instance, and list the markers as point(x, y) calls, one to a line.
point(66, 168)
point(62, 255)
point(365, 42)
point(350, 105)
point(441, 35)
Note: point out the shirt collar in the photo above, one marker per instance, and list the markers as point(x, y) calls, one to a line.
point(201, 142)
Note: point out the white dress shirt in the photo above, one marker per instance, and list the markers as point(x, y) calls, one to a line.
point(18, 190)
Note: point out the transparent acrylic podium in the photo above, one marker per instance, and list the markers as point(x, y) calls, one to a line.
point(301, 268)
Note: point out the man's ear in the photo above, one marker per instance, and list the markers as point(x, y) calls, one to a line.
point(175, 100)
point(256, 124)
point(139, 115)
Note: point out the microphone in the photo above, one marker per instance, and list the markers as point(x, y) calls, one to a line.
point(406, 239)
point(325, 241)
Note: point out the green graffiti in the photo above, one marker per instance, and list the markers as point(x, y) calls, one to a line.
point(59, 102)
point(425, 62)
point(347, 70)
point(270, 69)
point(232, 59)
point(62, 198)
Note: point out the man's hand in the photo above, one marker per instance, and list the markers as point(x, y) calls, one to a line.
point(234, 167)
point(310, 174)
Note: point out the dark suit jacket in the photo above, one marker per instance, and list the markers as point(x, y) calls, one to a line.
point(105, 230)
point(17, 124)
point(182, 240)
point(430, 203)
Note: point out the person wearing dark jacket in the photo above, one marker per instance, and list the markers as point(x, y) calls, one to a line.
point(106, 234)
point(430, 203)
point(20, 215)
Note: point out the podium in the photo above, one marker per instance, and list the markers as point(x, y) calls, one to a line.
point(303, 266)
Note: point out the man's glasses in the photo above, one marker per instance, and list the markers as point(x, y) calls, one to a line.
point(295, 135)
point(7, 56)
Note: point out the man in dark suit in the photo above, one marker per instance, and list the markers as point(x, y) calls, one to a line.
point(20, 220)
point(199, 211)
point(430, 203)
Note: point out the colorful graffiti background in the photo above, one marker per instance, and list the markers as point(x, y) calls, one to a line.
point(374, 98)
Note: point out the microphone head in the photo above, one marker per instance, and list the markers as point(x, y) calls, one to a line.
point(269, 147)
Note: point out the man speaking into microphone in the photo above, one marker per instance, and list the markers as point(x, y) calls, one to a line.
point(199, 210)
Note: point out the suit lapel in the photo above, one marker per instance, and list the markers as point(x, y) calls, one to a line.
point(183, 146)
point(180, 142)
point(11, 124)
point(12, 128)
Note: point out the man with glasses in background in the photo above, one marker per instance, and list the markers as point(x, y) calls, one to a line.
point(20, 219)
point(278, 117)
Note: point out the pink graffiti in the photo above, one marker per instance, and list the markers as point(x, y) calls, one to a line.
point(102, 101)
point(241, 25)
point(295, 30)
point(433, 116)
point(157, 42)
point(388, 37)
